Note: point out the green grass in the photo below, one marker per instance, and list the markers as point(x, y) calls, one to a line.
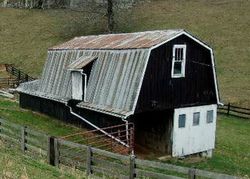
point(232, 153)
point(17, 165)
point(10, 110)
point(25, 35)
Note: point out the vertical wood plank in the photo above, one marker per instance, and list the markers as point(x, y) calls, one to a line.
point(228, 108)
point(0, 126)
point(191, 174)
point(89, 161)
point(23, 138)
point(132, 167)
point(56, 152)
point(51, 150)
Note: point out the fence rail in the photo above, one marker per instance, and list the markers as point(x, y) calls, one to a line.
point(17, 77)
point(8, 82)
point(233, 110)
point(59, 152)
point(29, 141)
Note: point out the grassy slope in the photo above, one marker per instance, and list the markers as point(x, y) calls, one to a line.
point(17, 165)
point(232, 154)
point(25, 35)
point(10, 110)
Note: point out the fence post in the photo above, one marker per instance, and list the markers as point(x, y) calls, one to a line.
point(228, 108)
point(23, 138)
point(19, 75)
point(191, 174)
point(51, 150)
point(26, 77)
point(132, 167)
point(56, 152)
point(89, 161)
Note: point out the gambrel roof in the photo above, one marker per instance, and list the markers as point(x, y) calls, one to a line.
point(138, 40)
point(117, 73)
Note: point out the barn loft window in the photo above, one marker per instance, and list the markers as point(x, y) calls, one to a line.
point(182, 120)
point(179, 61)
point(210, 116)
point(196, 119)
point(80, 71)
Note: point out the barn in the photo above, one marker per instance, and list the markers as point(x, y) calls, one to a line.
point(163, 81)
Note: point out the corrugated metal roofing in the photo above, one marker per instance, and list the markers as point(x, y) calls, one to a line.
point(116, 76)
point(81, 62)
point(119, 41)
point(113, 83)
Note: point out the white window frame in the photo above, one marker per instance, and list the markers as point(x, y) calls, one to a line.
point(183, 63)
point(84, 88)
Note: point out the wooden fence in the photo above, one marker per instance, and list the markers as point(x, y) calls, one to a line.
point(8, 82)
point(95, 161)
point(20, 75)
point(236, 111)
point(29, 141)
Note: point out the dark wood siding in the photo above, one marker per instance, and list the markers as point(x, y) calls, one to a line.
point(153, 130)
point(62, 112)
point(160, 91)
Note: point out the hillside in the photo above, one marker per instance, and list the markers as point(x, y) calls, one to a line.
point(231, 154)
point(17, 165)
point(25, 35)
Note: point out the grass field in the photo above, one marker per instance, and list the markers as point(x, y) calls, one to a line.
point(16, 165)
point(9, 110)
point(232, 153)
point(25, 35)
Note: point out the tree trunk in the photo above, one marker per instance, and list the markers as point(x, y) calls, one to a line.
point(110, 15)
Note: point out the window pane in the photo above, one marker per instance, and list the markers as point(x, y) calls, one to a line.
point(178, 60)
point(181, 54)
point(176, 54)
point(196, 119)
point(182, 120)
point(210, 116)
point(177, 68)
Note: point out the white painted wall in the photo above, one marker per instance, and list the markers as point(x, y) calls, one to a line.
point(77, 86)
point(194, 139)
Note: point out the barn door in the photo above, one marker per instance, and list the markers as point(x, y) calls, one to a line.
point(77, 85)
point(194, 130)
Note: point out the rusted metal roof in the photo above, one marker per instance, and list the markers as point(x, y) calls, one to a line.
point(119, 41)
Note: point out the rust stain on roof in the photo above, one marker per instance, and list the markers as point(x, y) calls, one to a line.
point(119, 41)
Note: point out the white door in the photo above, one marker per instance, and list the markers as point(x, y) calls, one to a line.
point(195, 133)
point(77, 85)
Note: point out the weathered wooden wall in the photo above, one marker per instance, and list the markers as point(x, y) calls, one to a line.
point(153, 130)
point(160, 91)
point(194, 138)
point(62, 112)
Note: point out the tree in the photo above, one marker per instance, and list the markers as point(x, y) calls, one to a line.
point(110, 16)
